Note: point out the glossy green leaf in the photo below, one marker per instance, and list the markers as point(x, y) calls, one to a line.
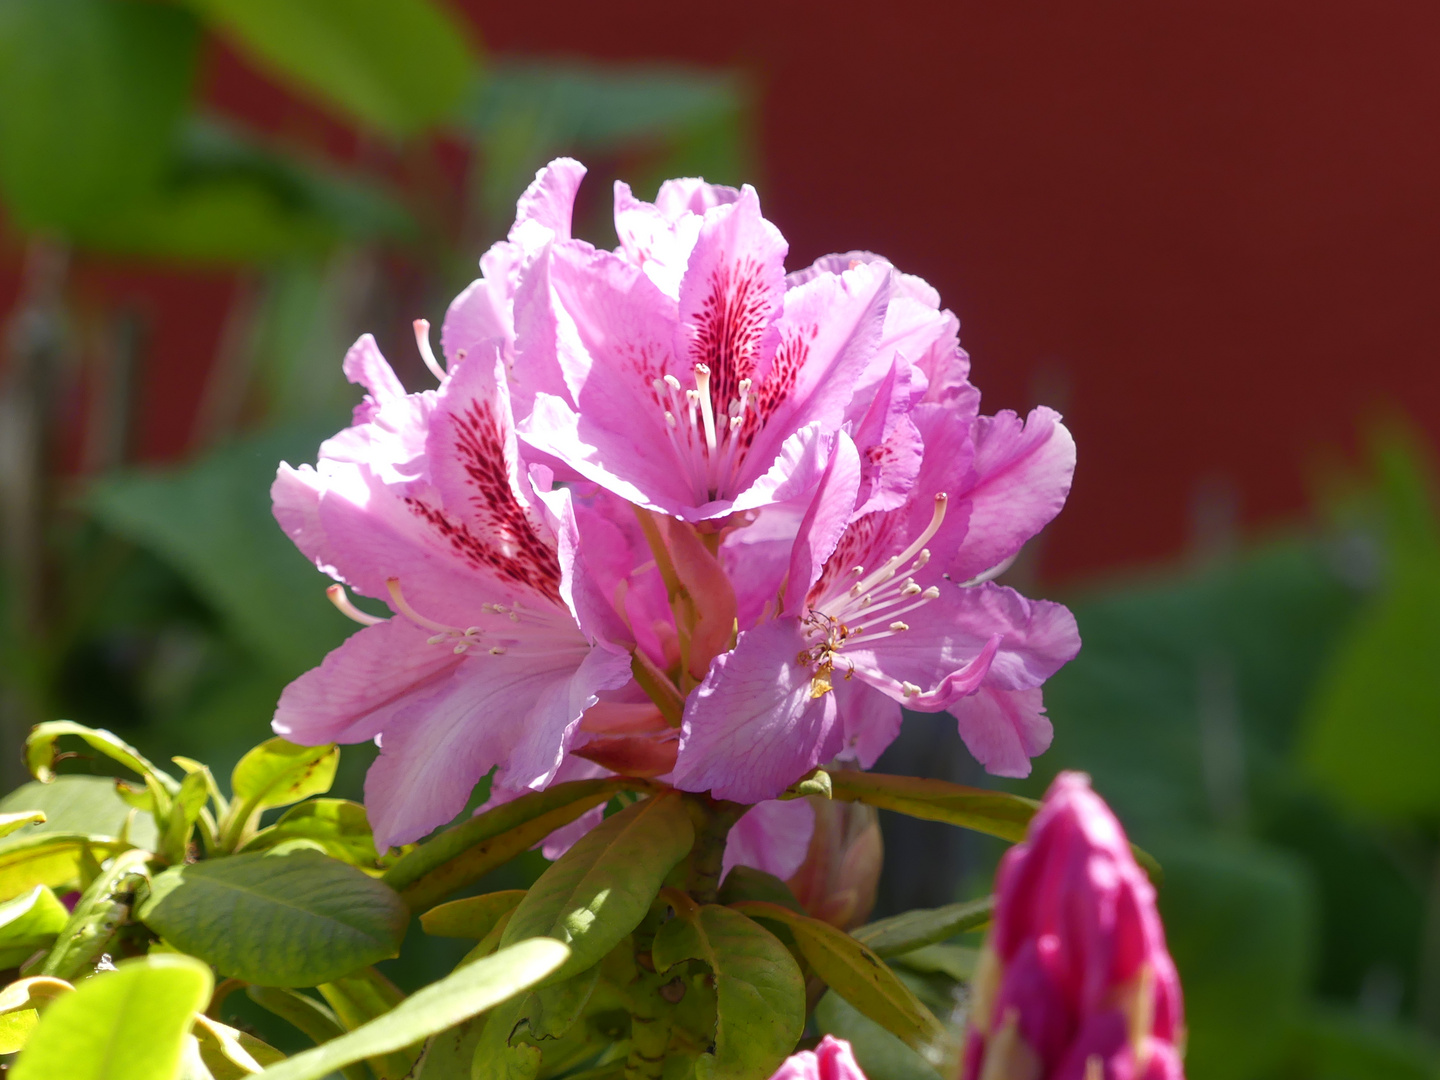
point(457, 997)
point(473, 917)
point(91, 93)
point(307, 1015)
point(10, 822)
point(229, 1054)
point(747, 883)
point(955, 962)
point(337, 825)
point(859, 976)
point(995, 813)
point(184, 812)
point(599, 890)
point(359, 998)
point(54, 859)
point(16, 1028)
point(78, 804)
point(276, 773)
point(760, 992)
point(468, 851)
point(29, 923)
point(40, 752)
point(449, 1054)
point(498, 1056)
point(277, 920)
point(910, 930)
point(100, 912)
point(145, 1007)
point(397, 65)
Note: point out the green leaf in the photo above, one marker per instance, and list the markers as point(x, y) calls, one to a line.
point(955, 962)
point(184, 812)
point(144, 1006)
point(277, 920)
point(497, 1055)
point(78, 804)
point(359, 998)
point(16, 1028)
point(457, 997)
point(747, 883)
point(473, 917)
point(337, 825)
point(229, 1054)
point(100, 913)
point(599, 890)
point(760, 993)
point(470, 850)
point(995, 813)
point(29, 923)
point(910, 930)
point(275, 773)
point(54, 859)
point(40, 752)
point(1370, 734)
point(859, 976)
point(397, 65)
point(91, 93)
point(10, 822)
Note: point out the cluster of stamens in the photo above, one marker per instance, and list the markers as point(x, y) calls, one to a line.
point(463, 639)
point(701, 438)
point(872, 607)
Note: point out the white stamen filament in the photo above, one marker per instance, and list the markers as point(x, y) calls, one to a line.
point(888, 570)
point(704, 435)
point(463, 638)
point(422, 342)
point(342, 601)
point(702, 390)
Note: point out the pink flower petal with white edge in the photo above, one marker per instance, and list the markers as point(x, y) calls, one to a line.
point(1004, 729)
point(361, 684)
point(753, 728)
point(772, 836)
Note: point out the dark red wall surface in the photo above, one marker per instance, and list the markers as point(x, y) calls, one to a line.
point(1210, 233)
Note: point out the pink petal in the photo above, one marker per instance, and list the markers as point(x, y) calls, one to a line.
point(361, 685)
point(544, 210)
point(824, 522)
point(871, 720)
point(515, 710)
point(752, 728)
point(772, 836)
point(1022, 476)
point(483, 312)
point(1004, 729)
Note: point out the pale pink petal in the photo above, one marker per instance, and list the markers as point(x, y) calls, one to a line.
point(361, 684)
point(544, 210)
point(871, 720)
point(824, 522)
point(772, 836)
point(752, 728)
point(295, 502)
point(516, 709)
point(691, 195)
point(1022, 476)
point(657, 243)
point(484, 310)
point(832, 1059)
point(363, 364)
point(1004, 729)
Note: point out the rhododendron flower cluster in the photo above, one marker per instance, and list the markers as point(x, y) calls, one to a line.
point(674, 512)
point(1075, 982)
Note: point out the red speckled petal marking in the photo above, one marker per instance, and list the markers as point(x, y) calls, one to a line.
point(498, 534)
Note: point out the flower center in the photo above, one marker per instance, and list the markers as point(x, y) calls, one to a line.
point(870, 609)
point(707, 442)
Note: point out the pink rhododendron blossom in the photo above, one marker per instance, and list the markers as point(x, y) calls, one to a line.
point(675, 513)
point(1074, 982)
point(496, 648)
point(832, 1059)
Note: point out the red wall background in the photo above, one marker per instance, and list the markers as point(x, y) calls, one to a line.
point(1210, 233)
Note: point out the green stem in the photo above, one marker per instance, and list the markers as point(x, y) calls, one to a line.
point(713, 821)
point(650, 1023)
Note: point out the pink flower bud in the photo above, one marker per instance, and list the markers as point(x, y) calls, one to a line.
point(1074, 982)
point(831, 1060)
point(841, 872)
